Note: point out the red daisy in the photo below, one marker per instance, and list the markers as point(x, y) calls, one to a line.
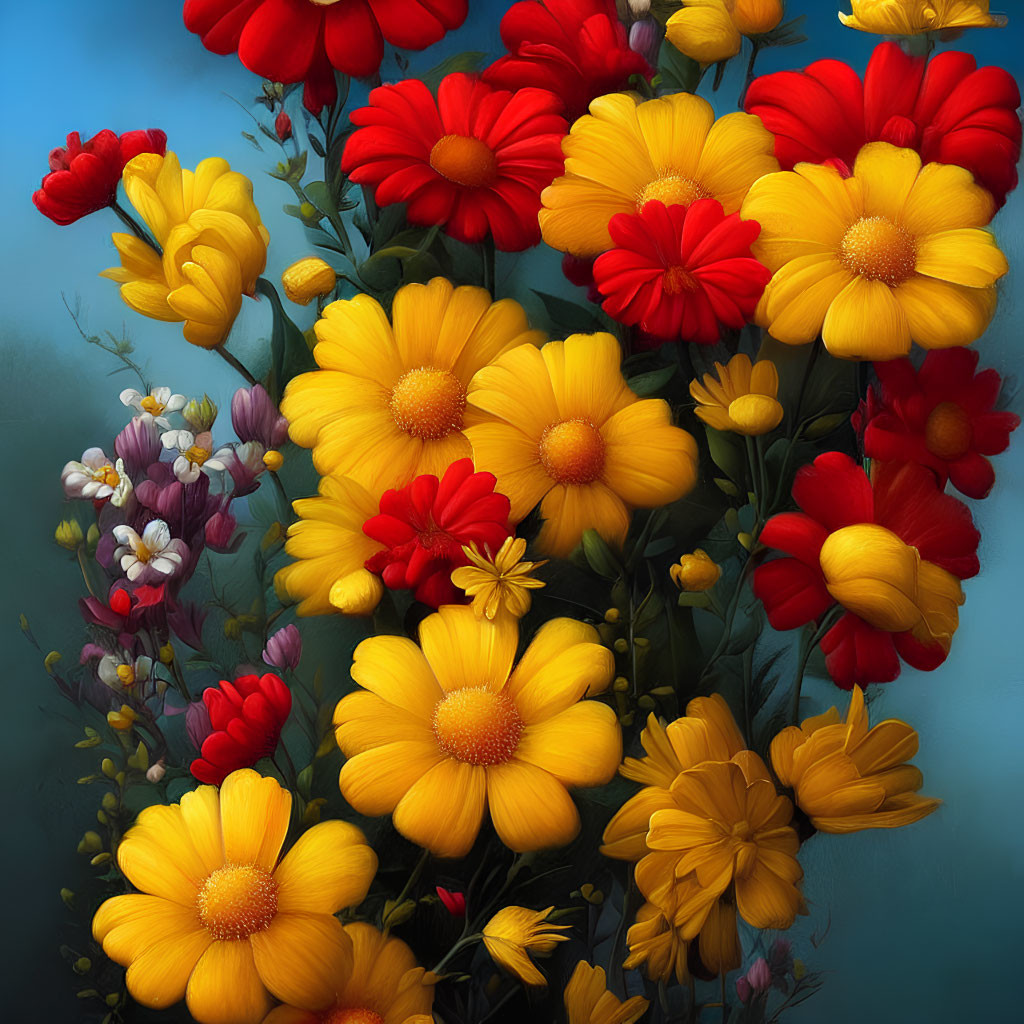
point(941, 416)
point(890, 551)
point(247, 717)
point(426, 524)
point(306, 40)
point(577, 49)
point(948, 109)
point(474, 160)
point(681, 272)
point(84, 176)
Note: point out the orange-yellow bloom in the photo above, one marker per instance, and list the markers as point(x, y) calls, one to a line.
point(500, 584)
point(909, 17)
point(695, 572)
point(712, 30)
point(656, 945)
point(588, 1001)
point(514, 932)
point(739, 397)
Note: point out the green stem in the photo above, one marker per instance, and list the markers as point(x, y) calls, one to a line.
point(488, 257)
point(460, 945)
point(135, 227)
point(414, 877)
point(755, 48)
point(808, 641)
point(236, 364)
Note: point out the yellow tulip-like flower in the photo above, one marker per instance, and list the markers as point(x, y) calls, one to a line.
point(695, 572)
point(741, 398)
point(122, 720)
point(909, 17)
point(563, 428)
point(308, 279)
point(384, 986)
point(588, 1001)
point(389, 400)
point(445, 729)
point(846, 776)
point(214, 245)
point(712, 30)
point(222, 921)
point(894, 254)
point(628, 151)
point(514, 932)
point(501, 584)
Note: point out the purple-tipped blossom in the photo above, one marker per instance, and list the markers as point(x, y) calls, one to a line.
point(245, 463)
point(138, 445)
point(220, 529)
point(255, 418)
point(184, 507)
point(284, 648)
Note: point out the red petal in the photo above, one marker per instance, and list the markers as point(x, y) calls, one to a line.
point(835, 491)
point(857, 654)
point(792, 593)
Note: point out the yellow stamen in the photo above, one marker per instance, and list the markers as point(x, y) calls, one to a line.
point(880, 250)
point(237, 901)
point(126, 674)
point(196, 455)
point(464, 160)
point(106, 475)
point(142, 553)
point(572, 452)
point(477, 726)
point(678, 280)
point(152, 406)
point(947, 432)
point(672, 190)
point(428, 403)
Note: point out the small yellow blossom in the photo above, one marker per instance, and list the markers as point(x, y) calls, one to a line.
point(514, 931)
point(712, 30)
point(739, 397)
point(273, 460)
point(121, 720)
point(501, 583)
point(68, 534)
point(909, 17)
point(588, 1001)
point(308, 279)
point(695, 572)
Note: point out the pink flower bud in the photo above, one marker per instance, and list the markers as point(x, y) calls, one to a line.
point(220, 528)
point(743, 990)
point(283, 126)
point(454, 902)
point(138, 445)
point(284, 648)
point(255, 418)
point(197, 723)
point(759, 976)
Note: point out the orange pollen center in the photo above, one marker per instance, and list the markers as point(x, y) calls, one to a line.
point(678, 280)
point(477, 726)
point(141, 552)
point(947, 432)
point(196, 455)
point(572, 452)
point(236, 901)
point(672, 190)
point(428, 403)
point(106, 475)
point(464, 160)
point(352, 1015)
point(880, 250)
point(152, 406)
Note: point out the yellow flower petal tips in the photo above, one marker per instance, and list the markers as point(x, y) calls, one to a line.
point(444, 730)
point(222, 921)
point(560, 426)
point(894, 254)
point(514, 932)
point(909, 17)
point(588, 1001)
point(389, 400)
point(846, 776)
point(742, 398)
point(500, 585)
point(712, 30)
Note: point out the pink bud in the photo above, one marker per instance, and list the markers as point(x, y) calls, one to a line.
point(197, 723)
point(284, 648)
point(645, 39)
point(283, 126)
point(454, 902)
point(220, 528)
point(760, 975)
point(743, 990)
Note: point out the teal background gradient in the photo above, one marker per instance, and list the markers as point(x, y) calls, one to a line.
point(923, 924)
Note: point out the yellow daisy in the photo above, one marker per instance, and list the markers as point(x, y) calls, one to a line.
point(563, 428)
point(389, 400)
point(499, 584)
point(222, 921)
point(894, 254)
point(384, 986)
point(739, 397)
point(514, 932)
point(846, 776)
point(628, 151)
point(908, 17)
point(588, 1001)
point(445, 729)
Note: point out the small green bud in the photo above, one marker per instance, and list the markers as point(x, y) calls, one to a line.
point(101, 817)
point(621, 645)
point(90, 843)
point(167, 653)
point(396, 913)
point(110, 803)
point(612, 615)
point(200, 414)
point(621, 684)
point(50, 661)
point(92, 538)
point(100, 858)
point(68, 897)
point(108, 768)
point(113, 999)
point(309, 211)
point(646, 703)
point(82, 965)
point(642, 642)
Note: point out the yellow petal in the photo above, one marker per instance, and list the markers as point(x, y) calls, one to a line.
point(887, 174)
point(581, 746)
point(530, 809)
point(966, 256)
point(866, 322)
point(941, 315)
point(514, 458)
point(463, 650)
point(945, 197)
point(586, 379)
point(225, 987)
point(374, 781)
point(128, 925)
point(444, 809)
point(200, 813)
point(739, 150)
point(362, 721)
point(394, 668)
point(158, 977)
point(569, 510)
point(254, 815)
point(797, 300)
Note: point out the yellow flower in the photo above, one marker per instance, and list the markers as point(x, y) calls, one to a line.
point(712, 30)
point(695, 572)
point(214, 245)
point(908, 17)
point(122, 720)
point(442, 730)
point(219, 920)
point(657, 945)
point(69, 534)
point(628, 151)
point(308, 279)
point(742, 397)
point(846, 777)
point(563, 426)
point(384, 986)
point(514, 931)
point(499, 584)
point(588, 1001)
point(756, 17)
point(389, 402)
point(894, 254)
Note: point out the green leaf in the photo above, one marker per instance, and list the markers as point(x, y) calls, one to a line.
point(696, 599)
point(725, 453)
point(599, 556)
point(320, 196)
point(469, 60)
point(824, 425)
point(789, 33)
point(677, 72)
point(567, 317)
point(650, 383)
point(289, 353)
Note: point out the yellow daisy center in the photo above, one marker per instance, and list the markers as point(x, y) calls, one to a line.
point(237, 901)
point(428, 403)
point(141, 552)
point(196, 455)
point(947, 432)
point(464, 160)
point(678, 280)
point(152, 406)
point(477, 726)
point(126, 674)
point(106, 475)
point(572, 452)
point(672, 190)
point(352, 1015)
point(880, 250)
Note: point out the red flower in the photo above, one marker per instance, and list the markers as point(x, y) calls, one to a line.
point(283, 126)
point(84, 177)
point(304, 41)
point(246, 717)
point(835, 494)
point(948, 109)
point(940, 416)
point(577, 49)
point(454, 902)
point(681, 272)
point(474, 160)
point(426, 524)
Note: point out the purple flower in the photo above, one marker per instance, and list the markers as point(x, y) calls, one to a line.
point(186, 621)
point(759, 977)
point(138, 445)
point(645, 39)
point(197, 723)
point(284, 648)
point(255, 418)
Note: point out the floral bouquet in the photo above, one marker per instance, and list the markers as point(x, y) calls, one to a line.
point(458, 677)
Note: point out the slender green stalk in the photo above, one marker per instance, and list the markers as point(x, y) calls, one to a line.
point(233, 362)
point(135, 227)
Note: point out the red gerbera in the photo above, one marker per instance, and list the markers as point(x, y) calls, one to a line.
point(948, 109)
point(426, 524)
point(577, 49)
point(681, 272)
point(474, 160)
point(941, 416)
point(247, 717)
point(84, 176)
point(306, 40)
point(890, 551)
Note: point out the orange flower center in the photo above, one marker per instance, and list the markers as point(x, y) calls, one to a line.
point(878, 249)
point(126, 674)
point(477, 726)
point(678, 280)
point(152, 406)
point(428, 403)
point(237, 901)
point(464, 160)
point(672, 190)
point(197, 455)
point(352, 1015)
point(947, 432)
point(106, 475)
point(572, 452)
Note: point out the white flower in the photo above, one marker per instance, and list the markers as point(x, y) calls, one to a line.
point(195, 454)
point(152, 554)
point(96, 477)
point(123, 490)
point(155, 406)
point(119, 671)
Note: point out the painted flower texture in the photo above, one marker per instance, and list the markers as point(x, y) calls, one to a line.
point(477, 662)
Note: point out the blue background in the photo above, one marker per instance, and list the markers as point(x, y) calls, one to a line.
point(923, 924)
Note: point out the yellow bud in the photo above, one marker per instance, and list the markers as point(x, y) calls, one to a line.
point(68, 534)
point(695, 572)
point(275, 533)
point(200, 414)
point(311, 815)
point(92, 538)
point(621, 684)
point(68, 897)
point(232, 629)
point(756, 17)
point(82, 965)
point(396, 913)
point(126, 674)
point(746, 540)
point(642, 642)
point(109, 802)
point(50, 660)
point(621, 645)
point(86, 779)
point(90, 843)
point(592, 895)
point(308, 278)
point(612, 615)
point(101, 817)
point(799, 969)
point(167, 653)
point(107, 767)
point(308, 210)
point(273, 460)
point(23, 622)
point(100, 858)
point(113, 999)
point(646, 703)
point(704, 31)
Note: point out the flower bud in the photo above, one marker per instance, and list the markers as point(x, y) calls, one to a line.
point(220, 528)
point(108, 768)
point(621, 645)
point(612, 615)
point(283, 126)
point(284, 648)
point(309, 211)
point(200, 414)
point(645, 39)
point(90, 843)
point(695, 572)
point(68, 534)
point(156, 772)
point(138, 445)
point(704, 32)
point(454, 902)
point(50, 661)
point(197, 723)
point(68, 896)
point(307, 279)
point(756, 17)
point(759, 977)
point(121, 720)
point(254, 417)
point(396, 913)
point(273, 460)
point(82, 965)
point(167, 653)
